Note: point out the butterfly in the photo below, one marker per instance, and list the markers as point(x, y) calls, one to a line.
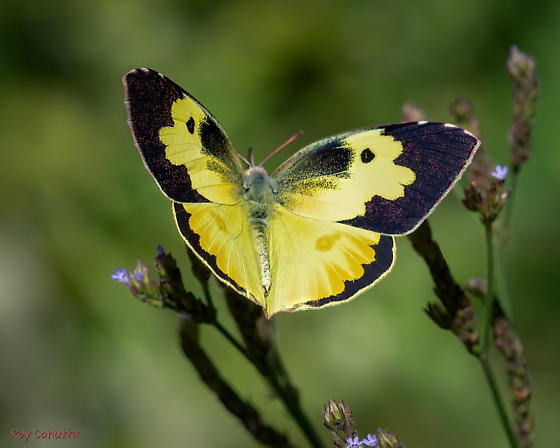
point(319, 230)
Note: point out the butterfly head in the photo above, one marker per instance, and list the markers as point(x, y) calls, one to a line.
point(258, 185)
point(255, 177)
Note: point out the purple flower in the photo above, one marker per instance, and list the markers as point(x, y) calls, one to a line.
point(370, 441)
point(356, 442)
point(159, 249)
point(500, 172)
point(121, 275)
point(139, 275)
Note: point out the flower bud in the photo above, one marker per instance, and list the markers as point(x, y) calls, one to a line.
point(337, 418)
point(388, 440)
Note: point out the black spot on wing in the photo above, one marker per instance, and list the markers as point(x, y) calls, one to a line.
point(437, 154)
point(149, 96)
point(190, 125)
point(383, 262)
point(367, 156)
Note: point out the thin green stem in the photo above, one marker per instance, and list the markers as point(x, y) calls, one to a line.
point(489, 300)
point(502, 262)
point(487, 335)
point(491, 379)
point(290, 398)
point(284, 391)
point(509, 206)
point(279, 366)
point(294, 408)
point(502, 281)
point(225, 332)
point(208, 296)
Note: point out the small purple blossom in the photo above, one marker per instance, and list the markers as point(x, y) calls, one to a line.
point(139, 275)
point(355, 442)
point(159, 249)
point(500, 172)
point(121, 275)
point(370, 441)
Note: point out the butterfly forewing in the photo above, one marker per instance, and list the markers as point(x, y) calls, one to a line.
point(183, 146)
point(386, 179)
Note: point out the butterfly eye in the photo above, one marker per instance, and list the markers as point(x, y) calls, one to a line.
point(367, 156)
point(274, 185)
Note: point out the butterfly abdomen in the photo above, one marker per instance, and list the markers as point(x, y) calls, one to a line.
point(259, 198)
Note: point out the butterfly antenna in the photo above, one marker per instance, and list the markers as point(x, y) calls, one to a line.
point(244, 159)
point(251, 156)
point(287, 142)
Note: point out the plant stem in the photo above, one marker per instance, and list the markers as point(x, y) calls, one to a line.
point(210, 375)
point(285, 392)
point(290, 401)
point(294, 408)
point(280, 368)
point(225, 332)
point(502, 262)
point(489, 374)
point(489, 300)
point(486, 335)
point(502, 280)
point(509, 206)
point(257, 335)
point(208, 297)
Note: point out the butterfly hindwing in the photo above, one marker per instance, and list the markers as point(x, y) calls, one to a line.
point(385, 179)
point(316, 263)
point(219, 234)
point(183, 146)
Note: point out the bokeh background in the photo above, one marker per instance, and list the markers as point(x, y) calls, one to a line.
point(78, 352)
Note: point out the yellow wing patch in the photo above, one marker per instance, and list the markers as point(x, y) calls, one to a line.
point(182, 141)
point(220, 235)
point(366, 168)
point(374, 167)
point(196, 141)
point(316, 263)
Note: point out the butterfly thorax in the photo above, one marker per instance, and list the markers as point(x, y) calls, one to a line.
point(259, 199)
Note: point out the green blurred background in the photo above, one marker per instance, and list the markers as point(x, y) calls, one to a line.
point(78, 352)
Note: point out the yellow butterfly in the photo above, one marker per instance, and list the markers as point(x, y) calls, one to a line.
point(318, 230)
